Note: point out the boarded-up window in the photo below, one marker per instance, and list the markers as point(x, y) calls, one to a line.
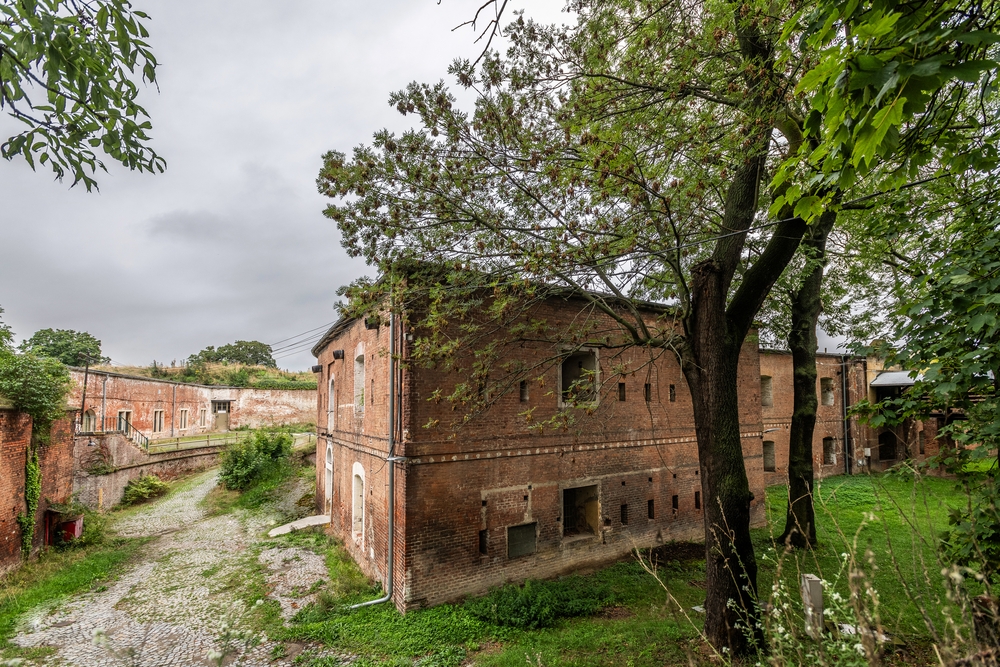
point(579, 377)
point(769, 456)
point(521, 540)
point(829, 451)
point(826, 391)
point(581, 511)
point(766, 392)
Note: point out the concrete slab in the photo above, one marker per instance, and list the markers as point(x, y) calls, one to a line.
point(315, 520)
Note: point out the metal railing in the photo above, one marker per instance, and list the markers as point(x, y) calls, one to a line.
point(88, 426)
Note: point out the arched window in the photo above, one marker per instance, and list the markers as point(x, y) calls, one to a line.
point(358, 504)
point(328, 487)
point(89, 424)
point(359, 378)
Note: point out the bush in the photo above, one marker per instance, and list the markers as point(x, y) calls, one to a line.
point(539, 604)
point(246, 461)
point(144, 488)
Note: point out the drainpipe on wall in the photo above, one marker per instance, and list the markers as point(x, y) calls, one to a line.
point(173, 410)
point(104, 401)
point(391, 459)
point(848, 450)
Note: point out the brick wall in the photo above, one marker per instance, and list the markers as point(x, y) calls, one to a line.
point(109, 393)
point(498, 472)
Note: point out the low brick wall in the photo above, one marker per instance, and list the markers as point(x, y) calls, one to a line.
point(114, 451)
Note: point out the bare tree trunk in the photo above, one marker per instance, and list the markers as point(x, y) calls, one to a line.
point(800, 519)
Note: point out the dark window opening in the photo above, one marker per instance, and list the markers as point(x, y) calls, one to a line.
point(621, 391)
point(581, 511)
point(673, 394)
point(920, 442)
point(887, 446)
point(768, 456)
point(697, 500)
point(624, 510)
point(647, 392)
point(524, 391)
point(484, 540)
point(650, 513)
point(674, 503)
point(829, 451)
point(579, 377)
point(521, 540)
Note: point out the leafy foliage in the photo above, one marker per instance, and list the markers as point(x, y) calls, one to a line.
point(247, 460)
point(73, 348)
point(6, 335)
point(80, 58)
point(32, 494)
point(36, 386)
point(539, 604)
point(251, 353)
point(144, 488)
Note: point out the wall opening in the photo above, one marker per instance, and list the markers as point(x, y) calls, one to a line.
point(697, 500)
point(331, 408)
point(359, 380)
point(484, 542)
point(124, 419)
point(829, 451)
point(647, 392)
point(358, 504)
point(521, 540)
point(826, 391)
point(887, 446)
point(650, 510)
point(328, 482)
point(89, 423)
point(920, 442)
point(624, 514)
point(579, 377)
point(157, 421)
point(674, 504)
point(673, 394)
point(581, 511)
point(621, 391)
point(523, 391)
point(769, 456)
point(766, 391)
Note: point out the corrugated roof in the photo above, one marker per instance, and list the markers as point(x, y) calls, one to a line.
point(894, 379)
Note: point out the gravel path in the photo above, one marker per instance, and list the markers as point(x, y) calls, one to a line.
point(178, 604)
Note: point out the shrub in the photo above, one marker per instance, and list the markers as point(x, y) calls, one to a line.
point(245, 461)
point(143, 488)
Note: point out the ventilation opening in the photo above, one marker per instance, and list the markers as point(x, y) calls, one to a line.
point(768, 456)
point(521, 540)
point(484, 541)
point(624, 517)
point(621, 391)
point(826, 391)
point(697, 500)
point(647, 392)
point(523, 391)
point(674, 503)
point(581, 511)
point(829, 451)
point(650, 512)
point(579, 377)
point(673, 394)
point(766, 392)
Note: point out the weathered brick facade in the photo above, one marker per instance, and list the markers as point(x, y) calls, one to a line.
point(167, 409)
point(498, 500)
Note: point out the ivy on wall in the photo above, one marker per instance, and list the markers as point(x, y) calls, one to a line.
point(32, 493)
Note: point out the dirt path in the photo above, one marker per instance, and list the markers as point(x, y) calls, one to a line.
point(180, 601)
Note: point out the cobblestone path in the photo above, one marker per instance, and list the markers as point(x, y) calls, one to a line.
point(178, 603)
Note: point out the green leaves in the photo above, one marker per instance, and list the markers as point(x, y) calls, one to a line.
point(82, 58)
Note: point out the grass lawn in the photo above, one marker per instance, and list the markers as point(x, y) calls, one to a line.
point(894, 517)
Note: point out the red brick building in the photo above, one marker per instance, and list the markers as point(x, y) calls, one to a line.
point(166, 409)
point(497, 499)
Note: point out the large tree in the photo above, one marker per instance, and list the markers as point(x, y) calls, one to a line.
point(73, 348)
point(624, 158)
point(70, 73)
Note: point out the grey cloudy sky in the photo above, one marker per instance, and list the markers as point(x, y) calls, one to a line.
point(230, 243)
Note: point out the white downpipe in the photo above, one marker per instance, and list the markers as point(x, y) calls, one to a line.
point(391, 460)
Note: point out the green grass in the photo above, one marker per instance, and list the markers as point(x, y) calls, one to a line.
point(898, 519)
point(54, 577)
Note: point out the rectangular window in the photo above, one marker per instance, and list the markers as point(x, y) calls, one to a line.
point(524, 391)
point(650, 513)
point(887, 446)
point(768, 456)
point(521, 540)
point(673, 394)
point(157, 421)
point(920, 442)
point(826, 391)
point(647, 392)
point(624, 511)
point(621, 391)
point(183, 419)
point(766, 393)
point(484, 541)
point(579, 378)
point(829, 451)
point(697, 500)
point(372, 395)
point(674, 503)
point(581, 512)
point(202, 417)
